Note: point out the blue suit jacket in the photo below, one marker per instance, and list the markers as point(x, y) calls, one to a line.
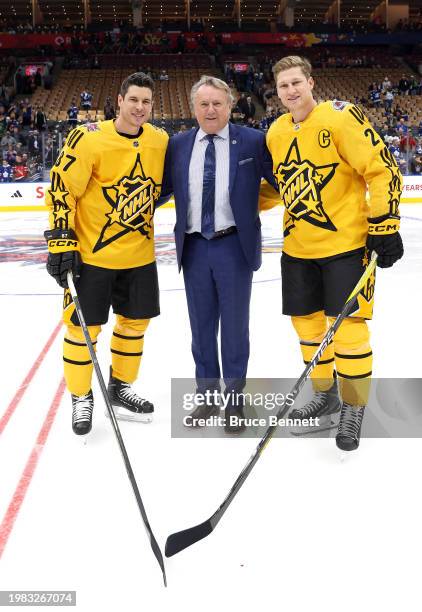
point(249, 161)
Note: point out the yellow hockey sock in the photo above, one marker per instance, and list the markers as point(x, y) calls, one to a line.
point(76, 358)
point(127, 343)
point(353, 358)
point(311, 329)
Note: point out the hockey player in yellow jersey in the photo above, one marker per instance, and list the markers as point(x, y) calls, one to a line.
point(104, 186)
point(325, 158)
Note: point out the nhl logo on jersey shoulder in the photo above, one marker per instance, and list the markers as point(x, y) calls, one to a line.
point(92, 127)
point(339, 105)
point(135, 144)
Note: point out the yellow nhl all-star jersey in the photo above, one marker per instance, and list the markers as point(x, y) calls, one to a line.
point(324, 166)
point(104, 186)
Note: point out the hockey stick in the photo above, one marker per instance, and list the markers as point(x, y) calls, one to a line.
point(182, 539)
point(154, 545)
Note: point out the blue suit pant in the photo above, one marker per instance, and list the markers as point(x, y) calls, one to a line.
point(218, 284)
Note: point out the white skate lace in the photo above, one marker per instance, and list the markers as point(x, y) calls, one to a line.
point(127, 394)
point(350, 421)
point(317, 403)
point(82, 408)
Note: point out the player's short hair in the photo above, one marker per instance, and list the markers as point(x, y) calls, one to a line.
point(292, 61)
point(213, 82)
point(139, 79)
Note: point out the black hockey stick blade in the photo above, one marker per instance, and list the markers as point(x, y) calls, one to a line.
point(182, 539)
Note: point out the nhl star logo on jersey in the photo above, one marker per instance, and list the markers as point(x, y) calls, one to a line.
point(132, 202)
point(300, 183)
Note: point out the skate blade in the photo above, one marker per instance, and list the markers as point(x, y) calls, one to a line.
point(326, 424)
point(127, 415)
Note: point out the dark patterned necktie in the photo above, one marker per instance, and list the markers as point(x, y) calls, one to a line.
point(208, 190)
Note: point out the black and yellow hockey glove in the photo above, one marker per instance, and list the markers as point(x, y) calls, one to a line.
point(63, 255)
point(385, 240)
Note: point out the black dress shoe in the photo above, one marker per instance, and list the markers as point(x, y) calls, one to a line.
point(199, 414)
point(235, 420)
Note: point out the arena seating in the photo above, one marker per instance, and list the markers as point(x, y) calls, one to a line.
point(346, 84)
point(171, 96)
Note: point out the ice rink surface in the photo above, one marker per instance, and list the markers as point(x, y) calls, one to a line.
point(306, 532)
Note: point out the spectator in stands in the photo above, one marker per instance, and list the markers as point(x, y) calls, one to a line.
point(404, 85)
point(7, 140)
point(394, 146)
point(20, 170)
point(13, 122)
point(86, 100)
point(20, 80)
point(249, 79)
point(72, 115)
point(242, 104)
point(38, 78)
point(416, 164)
point(19, 136)
point(414, 86)
point(26, 114)
point(402, 126)
point(163, 76)
point(250, 109)
point(40, 120)
point(109, 112)
point(6, 172)
point(386, 84)
point(34, 143)
point(253, 123)
point(11, 155)
point(376, 98)
point(388, 100)
point(236, 116)
point(407, 142)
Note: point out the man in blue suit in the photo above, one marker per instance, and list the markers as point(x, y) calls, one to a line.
point(215, 174)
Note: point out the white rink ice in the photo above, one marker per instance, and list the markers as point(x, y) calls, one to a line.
point(306, 532)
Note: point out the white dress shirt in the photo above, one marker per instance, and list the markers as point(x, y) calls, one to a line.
point(223, 212)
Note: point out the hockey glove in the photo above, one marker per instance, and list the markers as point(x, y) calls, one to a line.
point(63, 255)
point(385, 240)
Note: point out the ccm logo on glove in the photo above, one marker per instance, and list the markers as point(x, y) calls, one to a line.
point(57, 246)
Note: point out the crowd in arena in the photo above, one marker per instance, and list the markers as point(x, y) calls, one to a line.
point(29, 142)
point(23, 134)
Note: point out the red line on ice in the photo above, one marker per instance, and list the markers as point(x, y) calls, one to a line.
point(19, 393)
point(25, 480)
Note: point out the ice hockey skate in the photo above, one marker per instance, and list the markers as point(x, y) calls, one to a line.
point(348, 434)
point(323, 407)
point(128, 405)
point(82, 407)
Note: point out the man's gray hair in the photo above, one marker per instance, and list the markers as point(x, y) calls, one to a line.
point(213, 82)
